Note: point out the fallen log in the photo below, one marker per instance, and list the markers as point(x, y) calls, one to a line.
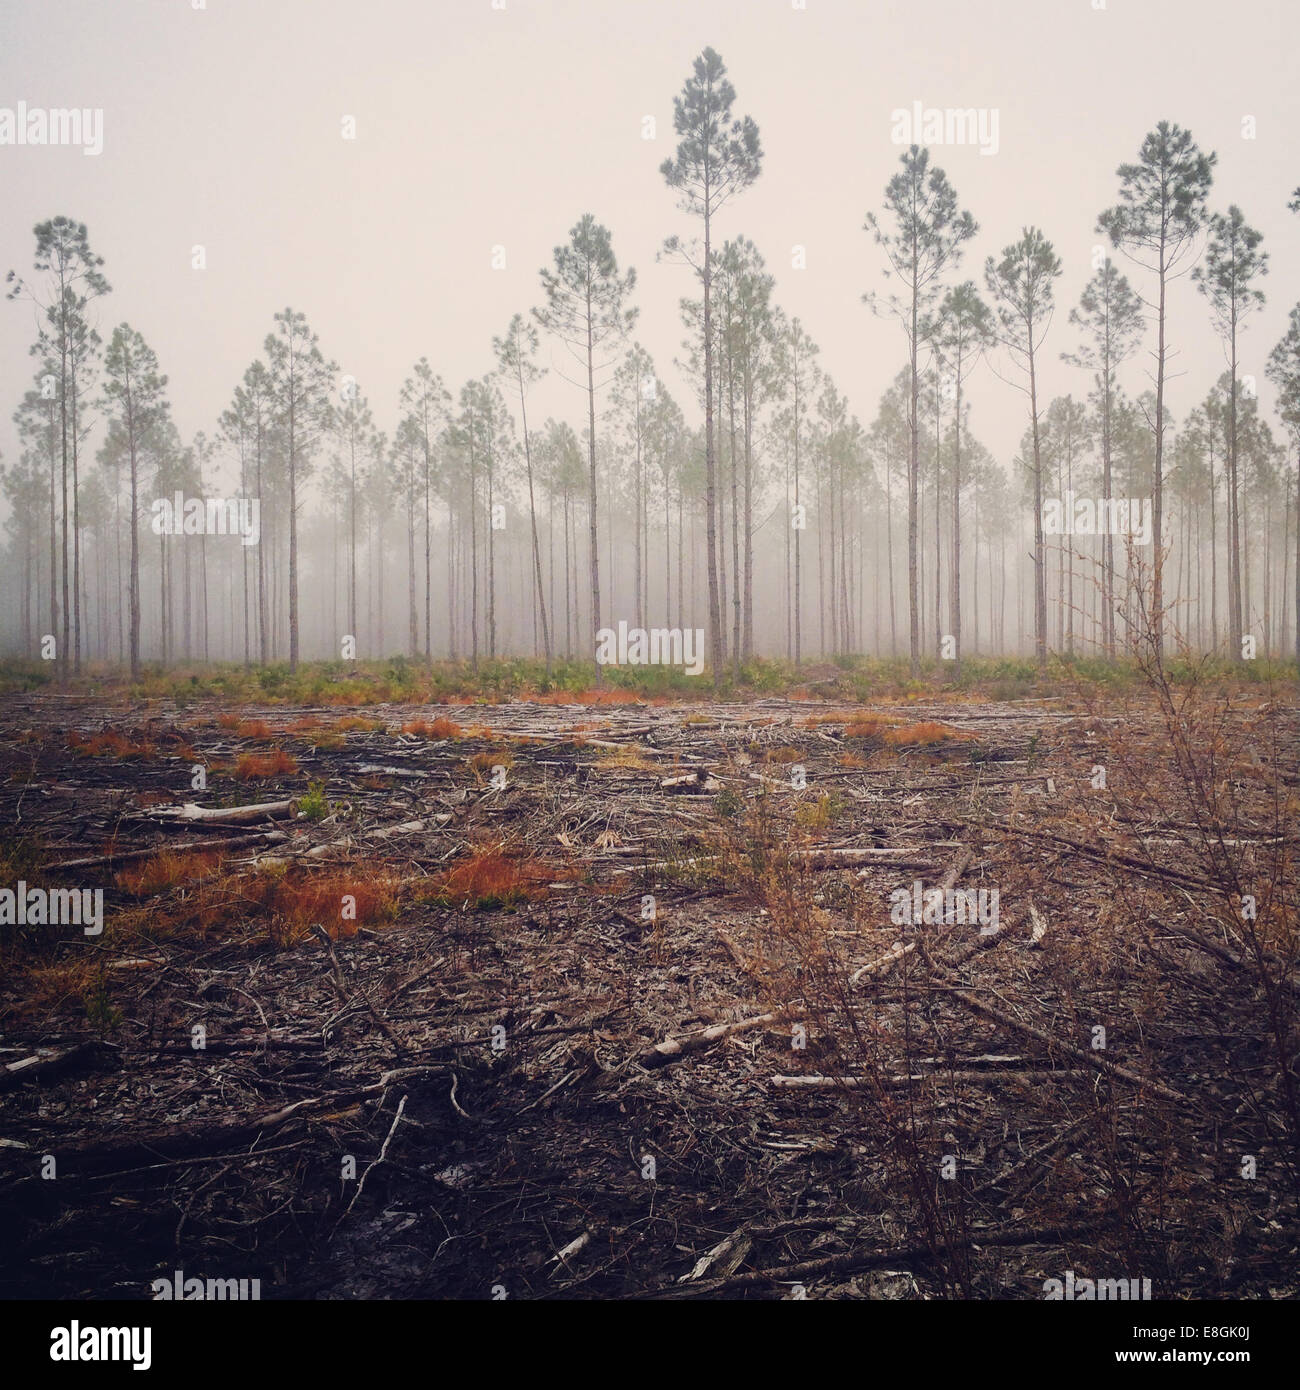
point(649, 750)
point(129, 856)
point(883, 964)
point(827, 1083)
point(696, 781)
point(672, 1049)
point(228, 815)
point(852, 855)
point(43, 1066)
point(407, 827)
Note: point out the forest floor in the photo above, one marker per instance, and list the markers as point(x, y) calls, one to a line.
point(509, 1061)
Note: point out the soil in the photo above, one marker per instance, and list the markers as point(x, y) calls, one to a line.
point(462, 1098)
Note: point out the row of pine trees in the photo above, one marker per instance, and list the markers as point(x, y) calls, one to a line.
point(779, 523)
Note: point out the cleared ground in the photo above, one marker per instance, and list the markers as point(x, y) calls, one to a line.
point(494, 1067)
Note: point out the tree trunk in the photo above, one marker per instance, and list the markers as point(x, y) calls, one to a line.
point(593, 539)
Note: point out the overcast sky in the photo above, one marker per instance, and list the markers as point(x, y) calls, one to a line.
point(478, 127)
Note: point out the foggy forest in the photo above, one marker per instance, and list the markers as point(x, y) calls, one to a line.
point(442, 525)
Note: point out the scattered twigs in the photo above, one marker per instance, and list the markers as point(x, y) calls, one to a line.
point(382, 1155)
point(855, 1260)
point(1057, 1046)
point(345, 994)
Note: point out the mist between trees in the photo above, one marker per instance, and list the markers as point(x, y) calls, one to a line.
point(453, 524)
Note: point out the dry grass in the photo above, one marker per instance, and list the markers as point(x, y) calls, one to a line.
point(329, 739)
point(50, 990)
point(626, 758)
point(494, 877)
point(109, 744)
point(295, 901)
point(167, 870)
point(613, 696)
point(923, 735)
point(437, 729)
point(194, 895)
point(276, 763)
point(490, 758)
point(868, 725)
point(816, 815)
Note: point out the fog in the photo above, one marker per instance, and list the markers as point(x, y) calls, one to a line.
point(400, 176)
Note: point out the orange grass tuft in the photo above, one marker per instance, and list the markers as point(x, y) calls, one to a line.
point(614, 695)
point(815, 721)
point(867, 725)
point(490, 758)
point(295, 902)
point(109, 744)
point(273, 764)
point(922, 735)
point(494, 878)
point(438, 728)
point(167, 870)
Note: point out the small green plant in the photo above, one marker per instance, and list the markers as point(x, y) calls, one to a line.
point(819, 814)
point(101, 1013)
point(314, 805)
point(728, 805)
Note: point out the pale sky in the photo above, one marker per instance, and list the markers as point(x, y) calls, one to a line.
point(479, 126)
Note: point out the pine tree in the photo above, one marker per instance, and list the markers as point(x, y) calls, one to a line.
point(1233, 261)
point(1160, 211)
point(1021, 286)
point(717, 157)
point(133, 387)
point(927, 234)
point(300, 380)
